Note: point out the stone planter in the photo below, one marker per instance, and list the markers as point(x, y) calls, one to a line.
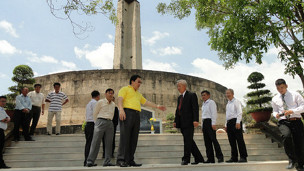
point(263, 116)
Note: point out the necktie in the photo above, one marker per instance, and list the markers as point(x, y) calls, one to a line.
point(285, 105)
point(180, 102)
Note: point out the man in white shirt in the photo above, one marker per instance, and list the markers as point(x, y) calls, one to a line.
point(103, 115)
point(4, 119)
point(89, 128)
point(287, 108)
point(38, 104)
point(55, 99)
point(234, 128)
point(209, 116)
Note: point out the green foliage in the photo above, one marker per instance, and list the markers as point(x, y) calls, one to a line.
point(170, 117)
point(258, 100)
point(23, 76)
point(169, 123)
point(243, 30)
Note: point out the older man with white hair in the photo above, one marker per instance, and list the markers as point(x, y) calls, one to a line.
point(186, 118)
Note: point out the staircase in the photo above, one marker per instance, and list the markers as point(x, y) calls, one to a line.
point(67, 150)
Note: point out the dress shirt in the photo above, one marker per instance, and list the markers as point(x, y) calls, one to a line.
point(37, 98)
point(23, 102)
point(90, 110)
point(131, 99)
point(209, 111)
point(3, 115)
point(184, 93)
point(234, 110)
point(294, 102)
point(104, 109)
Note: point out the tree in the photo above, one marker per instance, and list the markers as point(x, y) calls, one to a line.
point(87, 7)
point(23, 76)
point(243, 30)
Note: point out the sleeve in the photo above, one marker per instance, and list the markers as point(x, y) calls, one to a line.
point(238, 111)
point(65, 96)
point(195, 108)
point(96, 110)
point(19, 105)
point(274, 108)
point(116, 116)
point(43, 99)
point(143, 100)
point(29, 103)
point(299, 100)
point(48, 97)
point(213, 112)
point(122, 92)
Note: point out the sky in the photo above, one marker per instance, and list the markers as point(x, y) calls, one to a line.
point(30, 34)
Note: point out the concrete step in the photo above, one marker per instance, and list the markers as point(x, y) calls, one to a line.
point(250, 166)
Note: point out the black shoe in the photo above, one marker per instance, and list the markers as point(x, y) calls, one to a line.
point(4, 167)
point(108, 164)
point(197, 162)
point(290, 165)
point(242, 160)
point(58, 134)
point(91, 165)
point(16, 139)
point(29, 139)
point(121, 164)
point(221, 160)
point(209, 161)
point(132, 163)
point(232, 160)
point(300, 168)
point(184, 162)
point(48, 134)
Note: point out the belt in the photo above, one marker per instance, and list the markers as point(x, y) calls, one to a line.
point(136, 111)
point(105, 119)
point(36, 106)
point(206, 119)
point(290, 119)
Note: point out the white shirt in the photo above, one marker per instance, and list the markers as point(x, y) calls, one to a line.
point(3, 115)
point(89, 110)
point(234, 110)
point(294, 102)
point(36, 98)
point(209, 111)
point(104, 109)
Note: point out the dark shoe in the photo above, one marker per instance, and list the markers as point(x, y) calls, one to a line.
point(58, 134)
point(220, 160)
point(242, 160)
point(209, 161)
point(108, 164)
point(184, 162)
point(132, 163)
point(121, 164)
point(4, 167)
point(290, 165)
point(29, 139)
point(91, 165)
point(197, 162)
point(300, 168)
point(48, 134)
point(232, 160)
point(16, 139)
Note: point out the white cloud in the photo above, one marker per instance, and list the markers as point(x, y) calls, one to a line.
point(8, 27)
point(237, 78)
point(273, 51)
point(156, 36)
point(102, 57)
point(167, 51)
point(110, 36)
point(7, 48)
point(44, 59)
point(36, 74)
point(2, 75)
point(159, 66)
point(68, 65)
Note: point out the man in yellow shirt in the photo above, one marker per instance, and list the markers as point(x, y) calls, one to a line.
point(129, 105)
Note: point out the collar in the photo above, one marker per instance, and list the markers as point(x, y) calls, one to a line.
point(107, 101)
point(22, 95)
point(129, 86)
point(207, 101)
point(184, 93)
point(232, 100)
point(287, 92)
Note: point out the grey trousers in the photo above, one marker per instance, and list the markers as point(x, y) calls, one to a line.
point(102, 128)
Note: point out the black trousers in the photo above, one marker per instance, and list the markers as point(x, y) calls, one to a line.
point(190, 146)
point(129, 130)
point(22, 119)
point(293, 140)
point(35, 113)
point(88, 131)
point(210, 141)
point(2, 141)
point(113, 144)
point(235, 137)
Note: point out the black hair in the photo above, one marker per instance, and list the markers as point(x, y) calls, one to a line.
point(280, 82)
point(37, 85)
point(22, 88)
point(109, 89)
point(3, 97)
point(56, 84)
point(205, 91)
point(133, 78)
point(95, 93)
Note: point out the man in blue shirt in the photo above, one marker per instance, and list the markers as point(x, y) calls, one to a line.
point(22, 115)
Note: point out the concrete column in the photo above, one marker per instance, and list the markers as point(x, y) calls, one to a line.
point(128, 50)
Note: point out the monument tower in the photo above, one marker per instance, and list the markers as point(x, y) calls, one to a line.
point(127, 50)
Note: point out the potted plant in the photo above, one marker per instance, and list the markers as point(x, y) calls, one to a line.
point(259, 99)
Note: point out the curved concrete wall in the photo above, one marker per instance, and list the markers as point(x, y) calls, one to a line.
point(158, 87)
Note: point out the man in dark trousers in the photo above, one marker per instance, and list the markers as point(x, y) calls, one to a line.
point(287, 108)
point(186, 118)
point(209, 116)
point(4, 119)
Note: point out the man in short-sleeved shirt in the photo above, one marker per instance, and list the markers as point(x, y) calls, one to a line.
point(55, 98)
point(129, 104)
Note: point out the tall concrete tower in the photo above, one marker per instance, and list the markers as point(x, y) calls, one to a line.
point(127, 50)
